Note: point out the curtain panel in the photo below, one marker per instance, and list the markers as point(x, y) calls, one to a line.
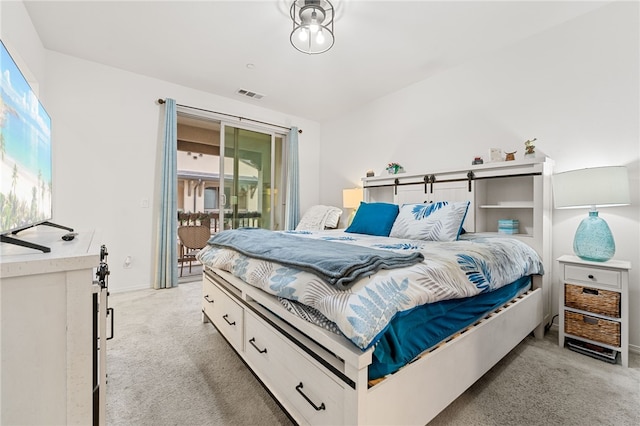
point(167, 251)
point(292, 203)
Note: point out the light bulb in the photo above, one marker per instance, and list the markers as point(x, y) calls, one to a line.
point(320, 37)
point(303, 35)
point(313, 25)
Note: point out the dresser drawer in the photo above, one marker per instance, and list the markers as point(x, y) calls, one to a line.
point(601, 277)
point(225, 313)
point(592, 328)
point(298, 382)
point(597, 301)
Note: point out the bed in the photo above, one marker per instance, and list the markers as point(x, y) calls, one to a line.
point(351, 348)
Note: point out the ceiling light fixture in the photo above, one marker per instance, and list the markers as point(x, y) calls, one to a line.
point(312, 26)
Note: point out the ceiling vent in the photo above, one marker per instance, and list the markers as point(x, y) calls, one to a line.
point(249, 94)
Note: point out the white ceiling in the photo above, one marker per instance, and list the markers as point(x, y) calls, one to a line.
point(381, 46)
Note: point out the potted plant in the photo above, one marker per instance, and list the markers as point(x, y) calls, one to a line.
point(394, 168)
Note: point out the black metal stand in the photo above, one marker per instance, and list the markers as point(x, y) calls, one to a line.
point(10, 240)
point(46, 223)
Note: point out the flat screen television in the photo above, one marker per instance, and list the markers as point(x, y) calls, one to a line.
point(25, 152)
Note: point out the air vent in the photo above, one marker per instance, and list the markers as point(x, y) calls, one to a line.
point(249, 94)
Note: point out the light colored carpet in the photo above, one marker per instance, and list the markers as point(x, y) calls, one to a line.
point(165, 367)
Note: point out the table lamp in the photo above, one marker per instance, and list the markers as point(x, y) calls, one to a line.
point(593, 187)
point(351, 199)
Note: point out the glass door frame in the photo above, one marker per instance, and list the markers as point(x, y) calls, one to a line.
point(222, 196)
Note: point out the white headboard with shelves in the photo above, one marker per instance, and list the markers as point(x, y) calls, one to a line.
point(519, 190)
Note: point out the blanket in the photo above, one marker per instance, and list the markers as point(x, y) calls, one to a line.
point(339, 264)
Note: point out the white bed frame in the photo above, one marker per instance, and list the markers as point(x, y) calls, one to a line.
point(321, 378)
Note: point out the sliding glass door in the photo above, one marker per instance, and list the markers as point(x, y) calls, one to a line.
point(251, 177)
point(229, 176)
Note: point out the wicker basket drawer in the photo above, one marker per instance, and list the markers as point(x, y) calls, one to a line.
point(592, 328)
point(598, 301)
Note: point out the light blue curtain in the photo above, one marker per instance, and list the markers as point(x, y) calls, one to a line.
point(292, 203)
point(167, 253)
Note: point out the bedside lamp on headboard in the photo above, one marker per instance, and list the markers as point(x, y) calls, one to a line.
point(351, 199)
point(593, 187)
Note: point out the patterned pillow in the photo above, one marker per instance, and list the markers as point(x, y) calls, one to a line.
point(440, 221)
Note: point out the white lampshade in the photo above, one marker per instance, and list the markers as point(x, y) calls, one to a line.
point(351, 198)
point(593, 187)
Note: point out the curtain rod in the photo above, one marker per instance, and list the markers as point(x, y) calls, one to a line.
point(162, 101)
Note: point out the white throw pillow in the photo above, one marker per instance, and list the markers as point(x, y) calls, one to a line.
point(333, 217)
point(319, 217)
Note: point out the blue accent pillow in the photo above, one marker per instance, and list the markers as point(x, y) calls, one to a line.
point(374, 219)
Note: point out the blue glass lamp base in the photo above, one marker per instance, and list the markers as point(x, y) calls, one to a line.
point(593, 240)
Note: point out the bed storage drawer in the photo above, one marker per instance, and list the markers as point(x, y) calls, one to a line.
point(208, 298)
point(585, 274)
point(225, 313)
point(598, 301)
point(263, 347)
point(592, 328)
point(300, 384)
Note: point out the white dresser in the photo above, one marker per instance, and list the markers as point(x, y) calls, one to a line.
point(47, 342)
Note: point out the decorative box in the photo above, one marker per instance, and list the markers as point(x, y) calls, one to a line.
point(508, 226)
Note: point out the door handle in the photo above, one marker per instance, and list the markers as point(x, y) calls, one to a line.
point(111, 315)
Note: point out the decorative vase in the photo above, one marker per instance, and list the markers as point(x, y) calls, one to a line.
point(593, 240)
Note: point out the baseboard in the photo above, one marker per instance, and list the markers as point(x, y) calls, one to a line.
point(128, 289)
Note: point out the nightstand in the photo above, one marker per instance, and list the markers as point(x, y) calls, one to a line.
point(594, 306)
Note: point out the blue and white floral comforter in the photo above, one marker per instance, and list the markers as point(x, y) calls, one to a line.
point(457, 269)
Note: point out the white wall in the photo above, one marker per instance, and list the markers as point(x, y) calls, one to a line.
point(22, 41)
point(107, 135)
point(107, 139)
point(575, 88)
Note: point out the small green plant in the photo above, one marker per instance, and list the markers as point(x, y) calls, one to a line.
point(394, 168)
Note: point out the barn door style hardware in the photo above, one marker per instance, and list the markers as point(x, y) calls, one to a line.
point(432, 181)
point(470, 176)
point(429, 180)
